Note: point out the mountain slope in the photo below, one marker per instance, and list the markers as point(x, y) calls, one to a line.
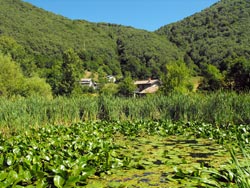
point(111, 47)
point(215, 35)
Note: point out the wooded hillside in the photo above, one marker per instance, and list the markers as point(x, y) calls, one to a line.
point(111, 47)
point(214, 44)
point(214, 36)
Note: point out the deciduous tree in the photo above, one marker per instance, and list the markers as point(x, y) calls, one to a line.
point(213, 78)
point(177, 78)
point(71, 68)
point(126, 87)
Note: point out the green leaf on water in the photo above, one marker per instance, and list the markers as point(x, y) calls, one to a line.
point(12, 177)
point(1, 160)
point(3, 175)
point(30, 186)
point(27, 176)
point(10, 160)
point(17, 186)
point(16, 150)
point(58, 181)
point(41, 183)
point(72, 180)
point(36, 159)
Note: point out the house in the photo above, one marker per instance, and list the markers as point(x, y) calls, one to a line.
point(147, 86)
point(111, 79)
point(88, 82)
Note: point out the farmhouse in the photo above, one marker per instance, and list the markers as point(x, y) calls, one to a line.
point(146, 86)
point(111, 79)
point(88, 82)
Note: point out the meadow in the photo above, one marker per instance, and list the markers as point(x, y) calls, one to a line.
point(196, 140)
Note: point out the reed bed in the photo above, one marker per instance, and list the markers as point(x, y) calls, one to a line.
point(221, 109)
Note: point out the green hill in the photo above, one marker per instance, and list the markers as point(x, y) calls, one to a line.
point(215, 43)
point(214, 36)
point(114, 48)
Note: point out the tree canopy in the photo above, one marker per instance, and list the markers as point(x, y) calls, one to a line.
point(177, 78)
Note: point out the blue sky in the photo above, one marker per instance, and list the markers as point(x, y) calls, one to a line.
point(142, 14)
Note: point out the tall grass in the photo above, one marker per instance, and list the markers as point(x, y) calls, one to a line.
point(217, 108)
point(240, 172)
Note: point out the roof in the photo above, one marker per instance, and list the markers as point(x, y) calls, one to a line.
point(142, 82)
point(151, 89)
point(88, 80)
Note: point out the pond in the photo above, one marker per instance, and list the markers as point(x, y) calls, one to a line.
point(163, 162)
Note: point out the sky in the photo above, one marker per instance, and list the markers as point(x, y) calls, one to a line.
point(141, 14)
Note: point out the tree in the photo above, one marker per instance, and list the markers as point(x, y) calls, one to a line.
point(8, 46)
point(177, 78)
point(13, 81)
point(53, 76)
point(126, 87)
point(11, 77)
point(238, 76)
point(36, 86)
point(109, 89)
point(213, 78)
point(133, 66)
point(71, 71)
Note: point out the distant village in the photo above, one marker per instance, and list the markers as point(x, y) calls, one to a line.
point(143, 87)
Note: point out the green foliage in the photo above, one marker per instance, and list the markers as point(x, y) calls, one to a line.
point(216, 108)
point(8, 46)
point(14, 83)
point(57, 156)
point(177, 78)
point(239, 75)
point(11, 77)
point(213, 79)
point(126, 87)
point(143, 54)
point(109, 89)
point(240, 172)
point(214, 35)
point(71, 72)
point(69, 156)
point(53, 75)
point(96, 44)
point(36, 86)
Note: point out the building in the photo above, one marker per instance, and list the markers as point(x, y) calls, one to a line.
point(111, 79)
point(147, 86)
point(88, 82)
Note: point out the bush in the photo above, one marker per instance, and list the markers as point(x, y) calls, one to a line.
point(37, 86)
point(13, 82)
